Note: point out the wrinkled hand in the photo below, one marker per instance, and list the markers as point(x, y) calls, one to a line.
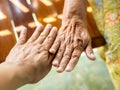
point(72, 39)
point(32, 56)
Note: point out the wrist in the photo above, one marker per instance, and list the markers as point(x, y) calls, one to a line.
point(75, 8)
point(13, 76)
point(75, 20)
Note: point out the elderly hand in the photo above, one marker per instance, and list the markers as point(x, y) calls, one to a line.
point(32, 57)
point(73, 37)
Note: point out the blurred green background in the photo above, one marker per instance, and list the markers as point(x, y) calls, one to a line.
point(87, 75)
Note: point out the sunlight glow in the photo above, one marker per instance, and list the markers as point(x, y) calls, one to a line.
point(49, 19)
point(32, 24)
point(5, 32)
point(20, 5)
point(46, 2)
point(60, 16)
point(89, 9)
point(2, 16)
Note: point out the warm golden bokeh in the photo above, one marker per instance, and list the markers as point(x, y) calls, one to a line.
point(29, 13)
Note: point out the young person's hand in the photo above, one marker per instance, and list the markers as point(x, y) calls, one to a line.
point(31, 59)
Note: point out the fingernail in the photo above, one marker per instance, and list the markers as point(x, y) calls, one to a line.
point(92, 55)
point(55, 28)
point(40, 26)
point(55, 63)
point(52, 51)
point(49, 25)
point(59, 69)
point(68, 69)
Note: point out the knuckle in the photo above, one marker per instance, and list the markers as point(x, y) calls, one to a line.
point(60, 50)
point(75, 56)
point(34, 38)
point(50, 38)
point(21, 39)
point(69, 50)
point(79, 47)
point(87, 40)
point(78, 44)
point(57, 42)
point(67, 56)
point(42, 35)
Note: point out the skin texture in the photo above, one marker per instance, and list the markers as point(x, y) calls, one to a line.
point(28, 61)
point(73, 37)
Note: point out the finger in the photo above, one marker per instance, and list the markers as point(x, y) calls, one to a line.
point(51, 56)
point(50, 38)
point(55, 46)
point(74, 59)
point(45, 33)
point(36, 34)
point(89, 52)
point(66, 58)
point(59, 55)
point(23, 35)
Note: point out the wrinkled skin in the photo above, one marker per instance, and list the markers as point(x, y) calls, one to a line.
point(73, 37)
point(32, 57)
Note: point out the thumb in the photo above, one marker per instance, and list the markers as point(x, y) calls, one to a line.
point(89, 51)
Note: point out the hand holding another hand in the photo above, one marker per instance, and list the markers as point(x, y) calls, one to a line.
point(32, 57)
